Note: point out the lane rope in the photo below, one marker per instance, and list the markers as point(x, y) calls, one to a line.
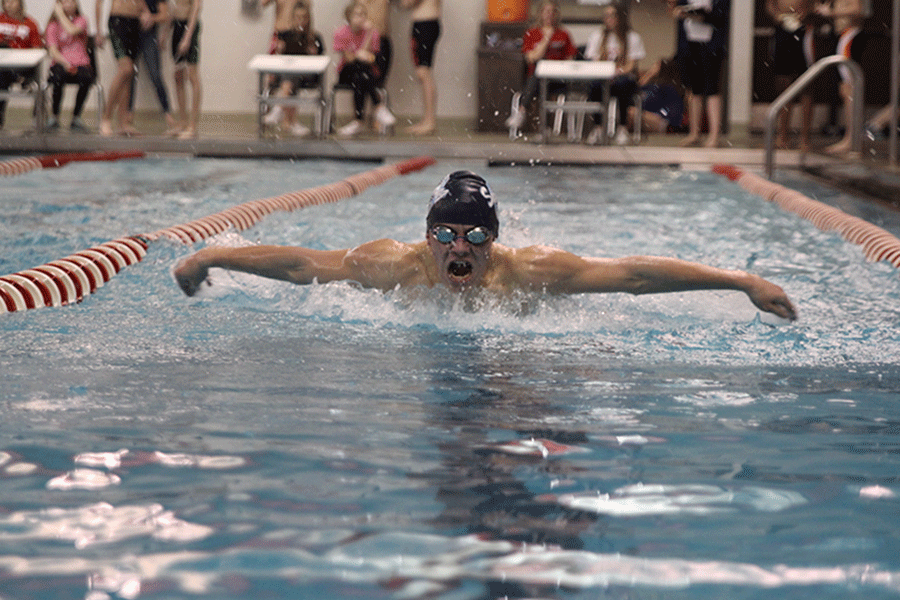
point(19, 166)
point(70, 279)
point(877, 244)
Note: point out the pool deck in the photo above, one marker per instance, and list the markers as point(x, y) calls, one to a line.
point(236, 135)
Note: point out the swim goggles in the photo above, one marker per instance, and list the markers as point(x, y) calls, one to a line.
point(475, 236)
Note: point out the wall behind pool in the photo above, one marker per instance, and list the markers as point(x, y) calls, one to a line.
point(230, 38)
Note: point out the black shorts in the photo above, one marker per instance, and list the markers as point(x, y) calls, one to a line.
point(425, 35)
point(125, 36)
point(703, 69)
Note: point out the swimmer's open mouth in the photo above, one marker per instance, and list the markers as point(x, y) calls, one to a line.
point(460, 269)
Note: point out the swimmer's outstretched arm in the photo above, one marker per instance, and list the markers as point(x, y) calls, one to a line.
point(287, 263)
point(380, 264)
point(558, 271)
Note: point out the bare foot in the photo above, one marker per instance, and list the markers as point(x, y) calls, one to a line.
point(422, 128)
point(188, 134)
point(128, 131)
point(106, 129)
point(173, 130)
point(712, 142)
point(691, 140)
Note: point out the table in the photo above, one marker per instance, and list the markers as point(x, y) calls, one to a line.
point(289, 65)
point(574, 70)
point(13, 59)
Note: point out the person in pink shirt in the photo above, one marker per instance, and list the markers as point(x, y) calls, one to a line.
point(19, 31)
point(546, 41)
point(358, 43)
point(67, 43)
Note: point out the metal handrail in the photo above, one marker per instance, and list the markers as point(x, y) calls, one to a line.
point(857, 104)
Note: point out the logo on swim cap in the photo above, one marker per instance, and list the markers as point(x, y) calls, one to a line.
point(463, 198)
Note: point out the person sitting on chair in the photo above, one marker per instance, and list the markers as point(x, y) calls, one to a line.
point(545, 41)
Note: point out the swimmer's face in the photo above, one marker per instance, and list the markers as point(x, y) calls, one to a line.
point(461, 264)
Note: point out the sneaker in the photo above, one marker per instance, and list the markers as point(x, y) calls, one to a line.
point(350, 129)
point(273, 117)
point(78, 126)
point(300, 130)
point(384, 117)
point(53, 124)
point(595, 136)
point(516, 119)
point(622, 137)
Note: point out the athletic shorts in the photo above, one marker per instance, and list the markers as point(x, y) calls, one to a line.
point(703, 69)
point(425, 35)
point(179, 28)
point(125, 36)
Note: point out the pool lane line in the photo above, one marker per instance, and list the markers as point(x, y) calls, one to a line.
point(70, 279)
point(877, 243)
point(19, 166)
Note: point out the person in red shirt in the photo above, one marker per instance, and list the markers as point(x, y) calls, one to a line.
point(546, 41)
point(19, 31)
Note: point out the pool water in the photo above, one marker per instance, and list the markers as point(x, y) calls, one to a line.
point(265, 440)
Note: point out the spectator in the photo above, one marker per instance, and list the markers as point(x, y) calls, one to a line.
point(663, 100)
point(17, 30)
point(619, 43)
point(154, 14)
point(124, 26)
point(70, 63)
point(301, 39)
point(547, 40)
point(792, 53)
point(378, 17)
point(426, 29)
point(186, 52)
point(358, 43)
point(705, 24)
point(848, 17)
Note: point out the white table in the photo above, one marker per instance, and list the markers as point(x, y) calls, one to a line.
point(579, 71)
point(12, 59)
point(289, 65)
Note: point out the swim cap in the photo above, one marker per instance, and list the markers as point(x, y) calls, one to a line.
point(463, 198)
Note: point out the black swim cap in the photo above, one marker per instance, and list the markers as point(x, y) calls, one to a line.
point(463, 198)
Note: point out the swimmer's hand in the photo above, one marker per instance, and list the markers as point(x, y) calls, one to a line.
point(190, 273)
point(769, 297)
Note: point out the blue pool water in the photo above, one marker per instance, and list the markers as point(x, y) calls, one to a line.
point(273, 441)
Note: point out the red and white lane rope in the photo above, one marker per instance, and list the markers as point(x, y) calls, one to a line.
point(72, 278)
point(19, 166)
point(877, 243)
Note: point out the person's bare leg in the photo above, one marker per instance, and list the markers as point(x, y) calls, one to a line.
point(784, 119)
point(714, 116)
point(193, 128)
point(695, 114)
point(119, 91)
point(843, 147)
point(429, 100)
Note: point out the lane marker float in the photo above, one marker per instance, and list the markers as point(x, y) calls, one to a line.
point(19, 166)
point(877, 243)
point(70, 279)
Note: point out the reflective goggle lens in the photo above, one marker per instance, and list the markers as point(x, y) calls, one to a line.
point(476, 236)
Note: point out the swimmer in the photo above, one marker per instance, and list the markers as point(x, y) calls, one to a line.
point(460, 252)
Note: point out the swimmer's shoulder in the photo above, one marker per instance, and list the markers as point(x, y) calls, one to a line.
point(540, 267)
point(389, 263)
